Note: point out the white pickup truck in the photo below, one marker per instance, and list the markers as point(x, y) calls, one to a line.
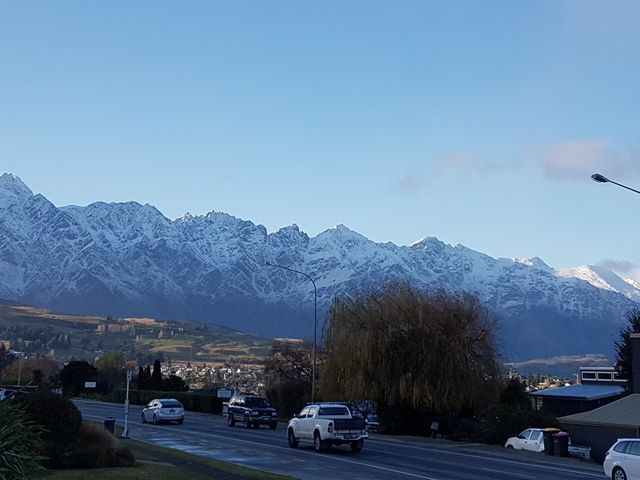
point(327, 424)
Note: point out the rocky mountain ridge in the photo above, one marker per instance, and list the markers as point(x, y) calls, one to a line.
point(128, 259)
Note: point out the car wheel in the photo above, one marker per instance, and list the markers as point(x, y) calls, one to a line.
point(246, 422)
point(273, 426)
point(318, 444)
point(155, 420)
point(357, 445)
point(291, 438)
point(510, 446)
point(230, 420)
point(618, 474)
point(144, 420)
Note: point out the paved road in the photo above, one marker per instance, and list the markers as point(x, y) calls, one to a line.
point(381, 458)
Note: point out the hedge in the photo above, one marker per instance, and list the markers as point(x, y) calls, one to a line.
point(192, 401)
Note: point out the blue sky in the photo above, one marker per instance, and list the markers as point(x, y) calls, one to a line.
point(475, 122)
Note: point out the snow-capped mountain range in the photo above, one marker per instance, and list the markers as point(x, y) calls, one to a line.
point(129, 259)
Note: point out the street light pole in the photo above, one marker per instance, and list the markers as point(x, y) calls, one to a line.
point(125, 432)
point(315, 325)
point(596, 177)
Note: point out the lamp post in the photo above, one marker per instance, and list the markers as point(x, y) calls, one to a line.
point(596, 177)
point(125, 432)
point(315, 325)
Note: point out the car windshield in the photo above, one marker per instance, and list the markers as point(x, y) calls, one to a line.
point(256, 402)
point(171, 405)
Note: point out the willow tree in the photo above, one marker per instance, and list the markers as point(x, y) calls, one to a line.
point(402, 347)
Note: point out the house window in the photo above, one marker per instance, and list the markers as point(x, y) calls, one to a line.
point(536, 404)
point(605, 376)
point(588, 375)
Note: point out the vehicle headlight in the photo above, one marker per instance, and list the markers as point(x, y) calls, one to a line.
point(274, 414)
point(255, 413)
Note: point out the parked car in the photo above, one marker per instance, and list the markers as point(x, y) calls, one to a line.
point(622, 460)
point(531, 439)
point(327, 424)
point(373, 422)
point(163, 410)
point(251, 411)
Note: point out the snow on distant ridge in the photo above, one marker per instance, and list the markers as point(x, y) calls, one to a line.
point(535, 262)
point(603, 278)
point(12, 190)
point(129, 259)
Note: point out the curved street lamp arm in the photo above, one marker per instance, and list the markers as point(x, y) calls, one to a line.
point(596, 177)
point(624, 186)
point(294, 271)
point(315, 324)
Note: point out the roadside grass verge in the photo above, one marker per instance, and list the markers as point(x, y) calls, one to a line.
point(145, 449)
point(144, 470)
point(155, 462)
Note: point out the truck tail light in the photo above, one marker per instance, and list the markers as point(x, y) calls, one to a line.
point(330, 427)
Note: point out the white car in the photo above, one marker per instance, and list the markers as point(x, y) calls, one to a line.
point(163, 410)
point(622, 461)
point(531, 439)
point(327, 424)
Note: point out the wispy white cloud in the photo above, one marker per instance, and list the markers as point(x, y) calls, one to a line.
point(570, 160)
point(461, 164)
point(623, 268)
point(578, 159)
point(456, 165)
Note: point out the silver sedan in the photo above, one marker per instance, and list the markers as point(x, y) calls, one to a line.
point(163, 410)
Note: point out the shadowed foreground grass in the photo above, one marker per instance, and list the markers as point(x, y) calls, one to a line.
point(154, 463)
point(142, 471)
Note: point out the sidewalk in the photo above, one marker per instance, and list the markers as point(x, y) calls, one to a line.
point(587, 465)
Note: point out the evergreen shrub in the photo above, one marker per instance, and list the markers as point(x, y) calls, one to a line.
point(61, 420)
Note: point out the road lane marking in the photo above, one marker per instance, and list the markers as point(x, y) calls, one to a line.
point(512, 474)
point(377, 467)
point(536, 464)
point(389, 443)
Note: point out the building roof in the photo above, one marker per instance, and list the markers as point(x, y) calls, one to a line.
point(581, 392)
point(621, 413)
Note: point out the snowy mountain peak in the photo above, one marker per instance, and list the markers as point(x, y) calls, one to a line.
point(12, 189)
point(340, 233)
point(292, 230)
point(13, 183)
point(633, 283)
point(535, 262)
point(427, 243)
point(603, 278)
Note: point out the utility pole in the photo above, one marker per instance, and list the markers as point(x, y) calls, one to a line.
point(125, 432)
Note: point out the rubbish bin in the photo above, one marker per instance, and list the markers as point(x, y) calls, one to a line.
point(561, 444)
point(548, 439)
point(110, 424)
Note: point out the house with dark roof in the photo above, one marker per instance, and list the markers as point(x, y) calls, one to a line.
point(600, 428)
point(598, 386)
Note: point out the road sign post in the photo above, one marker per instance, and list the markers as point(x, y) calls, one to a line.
point(125, 432)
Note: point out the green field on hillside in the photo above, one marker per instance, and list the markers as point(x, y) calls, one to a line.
point(40, 331)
